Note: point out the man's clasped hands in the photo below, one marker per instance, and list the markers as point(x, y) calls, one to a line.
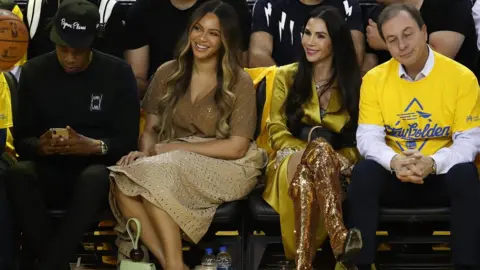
point(412, 166)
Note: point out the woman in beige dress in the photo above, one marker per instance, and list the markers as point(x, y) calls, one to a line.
point(196, 151)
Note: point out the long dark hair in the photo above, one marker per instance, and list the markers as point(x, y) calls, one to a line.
point(346, 72)
point(227, 70)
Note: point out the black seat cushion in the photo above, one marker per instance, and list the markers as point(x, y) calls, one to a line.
point(228, 212)
point(260, 210)
point(416, 214)
point(105, 214)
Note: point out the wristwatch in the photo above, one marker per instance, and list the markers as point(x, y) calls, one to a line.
point(434, 166)
point(392, 170)
point(104, 147)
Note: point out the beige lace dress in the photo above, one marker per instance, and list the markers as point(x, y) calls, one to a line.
point(189, 186)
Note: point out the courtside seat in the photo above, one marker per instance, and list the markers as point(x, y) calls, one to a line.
point(227, 229)
point(261, 217)
point(261, 212)
point(416, 239)
point(415, 215)
point(228, 218)
point(264, 228)
point(228, 213)
point(410, 235)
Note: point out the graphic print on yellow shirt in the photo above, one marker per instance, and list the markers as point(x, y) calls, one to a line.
point(414, 127)
point(421, 115)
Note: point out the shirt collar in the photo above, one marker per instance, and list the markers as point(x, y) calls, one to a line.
point(425, 71)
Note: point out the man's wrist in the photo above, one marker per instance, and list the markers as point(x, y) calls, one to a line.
point(391, 163)
point(97, 147)
point(434, 166)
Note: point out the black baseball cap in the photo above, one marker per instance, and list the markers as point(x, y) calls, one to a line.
point(75, 24)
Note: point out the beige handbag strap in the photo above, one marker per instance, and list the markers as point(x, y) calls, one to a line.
point(311, 131)
point(138, 232)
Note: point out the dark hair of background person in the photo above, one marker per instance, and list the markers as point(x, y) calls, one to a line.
point(392, 10)
point(7, 4)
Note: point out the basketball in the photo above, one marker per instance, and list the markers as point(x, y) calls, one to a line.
point(13, 39)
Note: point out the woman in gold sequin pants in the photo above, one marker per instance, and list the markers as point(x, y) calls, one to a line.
point(304, 179)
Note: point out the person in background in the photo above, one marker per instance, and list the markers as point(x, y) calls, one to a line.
point(419, 131)
point(10, 5)
point(153, 29)
point(6, 122)
point(450, 28)
point(8, 156)
point(476, 18)
point(109, 37)
point(196, 151)
point(11, 79)
point(78, 112)
point(305, 179)
point(7, 152)
point(277, 27)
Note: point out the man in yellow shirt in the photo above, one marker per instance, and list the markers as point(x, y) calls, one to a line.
point(6, 122)
point(419, 133)
point(7, 152)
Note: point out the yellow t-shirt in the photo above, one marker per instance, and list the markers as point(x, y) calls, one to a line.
point(5, 98)
point(6, 120)
point(424, 114)
point(6, 117)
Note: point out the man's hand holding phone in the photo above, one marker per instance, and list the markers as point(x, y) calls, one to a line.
point(66, 141)
point(47, 144)
point(77, 144)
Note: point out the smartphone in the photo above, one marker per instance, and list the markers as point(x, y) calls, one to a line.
point(59, 132)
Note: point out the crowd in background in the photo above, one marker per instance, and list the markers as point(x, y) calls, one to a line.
point(151, 72)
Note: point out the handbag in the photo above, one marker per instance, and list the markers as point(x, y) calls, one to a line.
point(319, 131)
point(136, 254)
point(310, 133)
point(346, 138)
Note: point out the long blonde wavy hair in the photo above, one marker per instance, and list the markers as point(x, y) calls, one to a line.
point(228, 66)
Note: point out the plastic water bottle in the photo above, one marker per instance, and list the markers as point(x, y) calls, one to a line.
point(209, 261)
point(224, 260)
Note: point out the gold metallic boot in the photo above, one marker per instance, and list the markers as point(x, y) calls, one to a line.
point(302, 192)
point(323, 162)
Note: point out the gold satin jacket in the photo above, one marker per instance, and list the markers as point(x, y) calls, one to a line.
point(279, 135)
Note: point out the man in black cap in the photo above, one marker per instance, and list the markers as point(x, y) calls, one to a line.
point(78, 112)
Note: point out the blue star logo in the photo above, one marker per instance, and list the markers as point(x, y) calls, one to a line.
point(416, 114)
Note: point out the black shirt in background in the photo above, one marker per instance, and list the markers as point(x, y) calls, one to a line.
point(160, 24)
point(109, 41)
point(372, 12)
point(444, 15)
point(284, 21)
point(100, 102)
point(3, 140)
